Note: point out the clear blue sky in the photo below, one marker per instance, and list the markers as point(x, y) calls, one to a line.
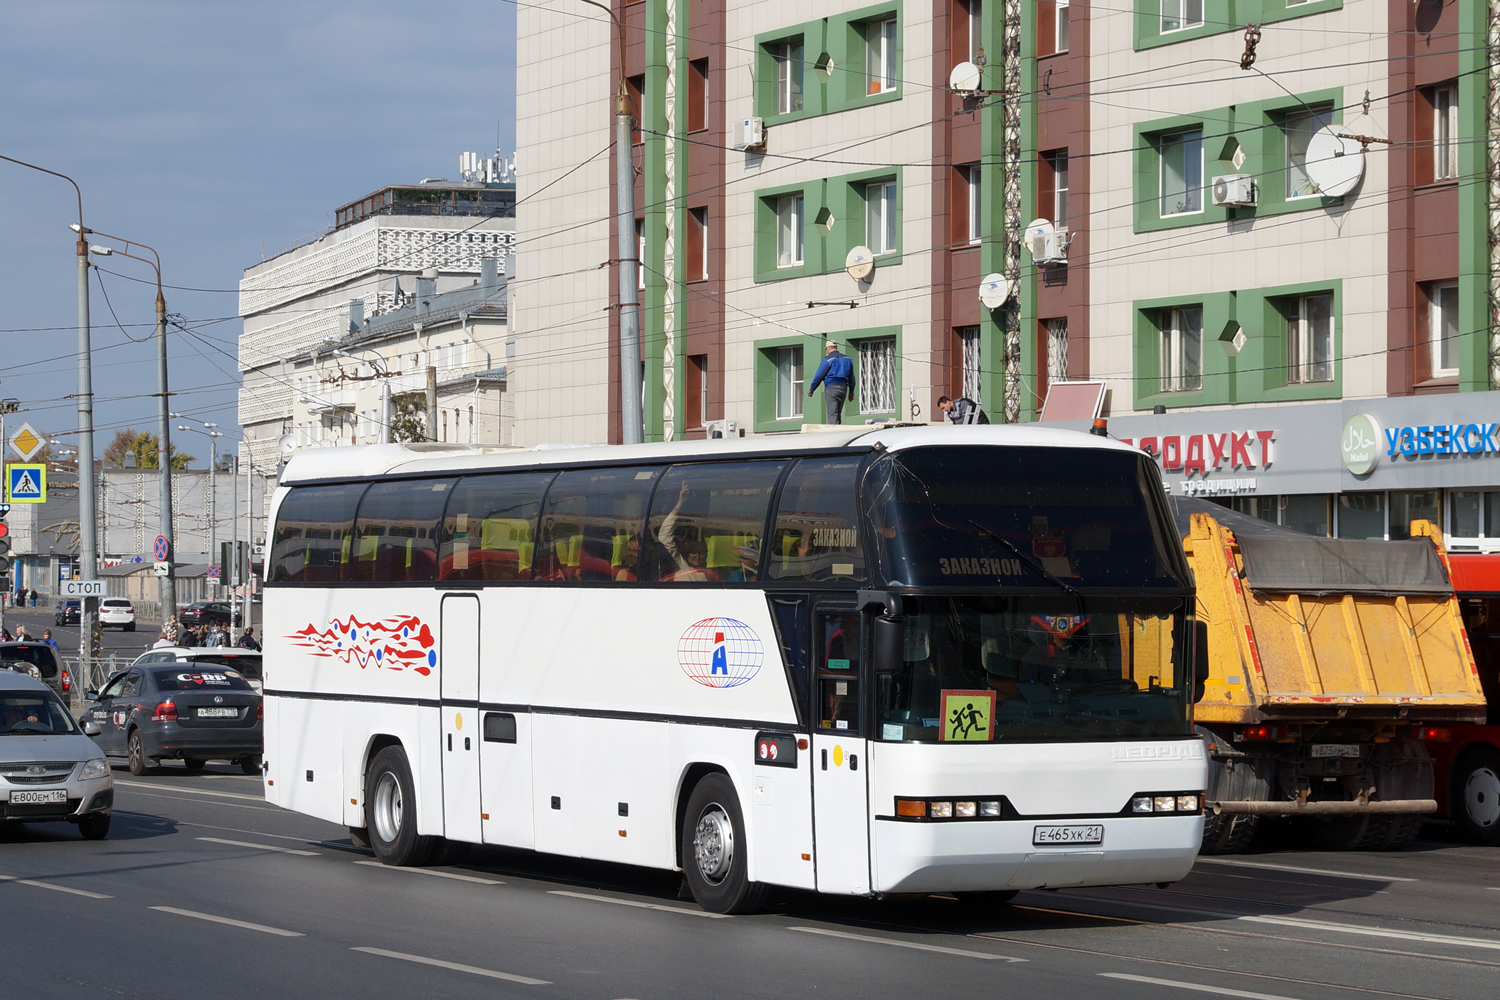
point(216, 132)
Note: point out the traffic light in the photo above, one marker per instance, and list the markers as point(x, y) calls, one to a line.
point(4, 541)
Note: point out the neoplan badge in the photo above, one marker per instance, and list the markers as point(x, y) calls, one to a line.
point(968, 717)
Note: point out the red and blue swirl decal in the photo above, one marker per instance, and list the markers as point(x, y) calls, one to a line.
point(403, 642)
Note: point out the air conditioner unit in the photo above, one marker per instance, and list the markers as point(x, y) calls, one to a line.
point(1235, 189)
point(722, 428)
point(749, 133)
point(1048, 248)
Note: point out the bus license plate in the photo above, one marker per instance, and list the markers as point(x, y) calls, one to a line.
point(1335, 749)
point(1093, 834)
point(20, 798)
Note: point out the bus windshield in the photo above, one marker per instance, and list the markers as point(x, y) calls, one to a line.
point(1018, 669)
point(1028, 517)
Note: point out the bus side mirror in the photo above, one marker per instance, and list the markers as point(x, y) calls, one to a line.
point(888, 643)
point(1200, 659)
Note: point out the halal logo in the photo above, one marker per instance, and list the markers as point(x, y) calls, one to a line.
point(720, 652)
point(1360, 444)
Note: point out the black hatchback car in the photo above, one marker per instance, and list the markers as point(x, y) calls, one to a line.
point(69, 612)
point(40, 660)
point(181, 711)
point(207, 613)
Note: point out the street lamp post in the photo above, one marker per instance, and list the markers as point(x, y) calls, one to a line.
point(88, 541)
point(167, 593)
point(632, 429)
point(213, 464)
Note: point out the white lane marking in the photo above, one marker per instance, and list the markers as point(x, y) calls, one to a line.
point(1380, 932)
point(456, 967)
point(1308, 871)
point(247, 925)
point(429, 871)
point(263, 807)
point(189, 791)
point(1199, 987)
point(254, 833)
point(259, 847)
point(54, 887)
point(637, 903)
point(908, 944)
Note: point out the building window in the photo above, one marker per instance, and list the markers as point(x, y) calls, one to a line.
point(1182, 173)
point(1309, 339)
point(880, 56)
point(1057, 349)
point(970, 180)
point(877, 375)
point(1299, 130)
point(1445, 133)
point(695, 393)
point(697, 244)
point(1413, 505)
point(968, 343)
point(974, 18)
point(640, 253)
point(697, 95)
point(1361, 515)
point(1463, 513)
point(788, 58)
point(1054, 193)
point(1179, 14)
point(882, 224)
point(1060, 37)
point(1181, 349)
point(789, 390)
point(1442, 327)
point(635, 86)
point(789, 230)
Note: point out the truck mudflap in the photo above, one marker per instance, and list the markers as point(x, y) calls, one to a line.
point(1401, 807)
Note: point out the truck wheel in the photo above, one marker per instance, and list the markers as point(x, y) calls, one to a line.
point(391, 811)
point(1228, 833)
point(715, 856)
point(1399, 832)
point(1232, 777)
point(1366, 833)
point(1474, 797)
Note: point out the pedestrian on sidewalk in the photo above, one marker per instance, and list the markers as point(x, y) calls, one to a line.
point(21, 634)
point(248, 641)
point(31, 596)
point(47, 638)
point(836, 374)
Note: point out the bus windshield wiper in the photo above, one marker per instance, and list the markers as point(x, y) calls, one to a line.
point(1029, 559)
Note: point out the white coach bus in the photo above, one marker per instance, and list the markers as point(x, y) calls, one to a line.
point(895, 660)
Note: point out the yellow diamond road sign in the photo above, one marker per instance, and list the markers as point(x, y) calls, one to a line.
point(26, 442)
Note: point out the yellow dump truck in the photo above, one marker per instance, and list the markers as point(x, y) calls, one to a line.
point(1329, 662)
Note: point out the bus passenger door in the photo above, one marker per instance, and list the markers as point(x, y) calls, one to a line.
point(458, 663)
point(841, 810)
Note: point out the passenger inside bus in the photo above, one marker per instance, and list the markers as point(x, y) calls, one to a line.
point(688, 555)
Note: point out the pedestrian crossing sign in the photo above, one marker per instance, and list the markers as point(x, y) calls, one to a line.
point(26, 483)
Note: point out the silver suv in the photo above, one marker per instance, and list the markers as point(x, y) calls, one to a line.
point(49, 770)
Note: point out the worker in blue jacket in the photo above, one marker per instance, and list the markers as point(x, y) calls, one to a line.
point(836, 373)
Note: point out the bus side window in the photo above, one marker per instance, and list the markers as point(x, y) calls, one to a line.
point(591, 524)
point(838, 656)
point(707, 520)
point(489, 530)
point(791, 630)
point(313, 530)
point(395, 534)
point(816, 536)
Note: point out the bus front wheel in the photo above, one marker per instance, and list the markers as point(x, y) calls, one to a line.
point(391, 811)
point(714, 850)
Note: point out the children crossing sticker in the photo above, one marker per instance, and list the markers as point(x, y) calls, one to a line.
point(968, 716)
point(26, 483)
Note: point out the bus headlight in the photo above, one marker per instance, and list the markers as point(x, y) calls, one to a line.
point(964, 809)
point(989, 809)
point(1141, 804)
point(940, 810)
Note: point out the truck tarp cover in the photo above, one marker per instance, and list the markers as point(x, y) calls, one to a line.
point(1279, 559)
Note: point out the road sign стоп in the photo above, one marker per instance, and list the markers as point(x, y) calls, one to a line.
point(83, 588)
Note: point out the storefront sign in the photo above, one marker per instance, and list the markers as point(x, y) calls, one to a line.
point(1360, 444)
point(1205, 453)
point(1216, 487)
point(1442, 439)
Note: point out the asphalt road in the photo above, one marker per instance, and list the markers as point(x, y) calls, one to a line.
point(204, 890)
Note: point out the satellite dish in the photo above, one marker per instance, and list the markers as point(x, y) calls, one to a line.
point(964, 79)
point(286, 444)
point(996, 290)
point(860, 263)
point(1039, 228)
point(1334, 165)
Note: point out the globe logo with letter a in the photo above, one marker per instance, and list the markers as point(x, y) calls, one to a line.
point(720, 652)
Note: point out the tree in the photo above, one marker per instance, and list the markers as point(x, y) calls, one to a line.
point(144, 446)
point(409, 422)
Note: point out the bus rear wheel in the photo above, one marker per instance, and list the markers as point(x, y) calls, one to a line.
point(714, 851)
point(391, 811)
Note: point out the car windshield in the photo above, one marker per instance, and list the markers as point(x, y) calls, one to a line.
point(1017, 669)
point(247, 665)
point(186, 678)
point(33, 713)
point(1033, 517)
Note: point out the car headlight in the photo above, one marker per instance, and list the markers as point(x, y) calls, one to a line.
point(93, 769)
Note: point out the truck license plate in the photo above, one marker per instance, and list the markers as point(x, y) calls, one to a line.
point(20, 798)
point(1091, 834)
point(1335, 749)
